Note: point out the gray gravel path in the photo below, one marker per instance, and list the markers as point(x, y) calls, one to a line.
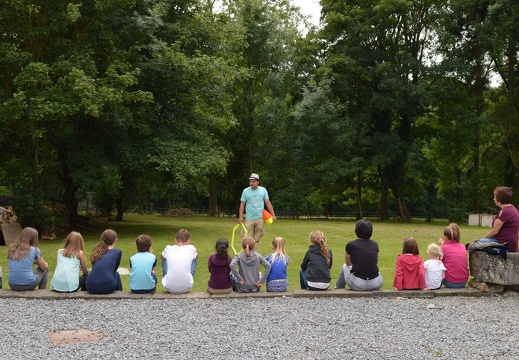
point(275, 328)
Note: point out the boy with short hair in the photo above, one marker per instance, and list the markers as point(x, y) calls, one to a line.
point(142, 278)
point(179, 264)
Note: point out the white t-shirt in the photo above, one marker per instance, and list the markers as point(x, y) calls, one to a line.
point(433, 273)
point(178, 279)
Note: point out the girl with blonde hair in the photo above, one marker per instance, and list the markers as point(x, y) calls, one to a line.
point(22, 254)
point(70, 259)
point(277, 280)
point(434, 268)
point(316, 265)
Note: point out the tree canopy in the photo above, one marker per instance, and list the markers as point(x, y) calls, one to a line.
point(390, 107)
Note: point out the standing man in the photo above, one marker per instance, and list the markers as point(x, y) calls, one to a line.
point(253, 200)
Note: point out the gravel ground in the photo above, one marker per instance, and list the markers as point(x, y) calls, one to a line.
point(274, 328)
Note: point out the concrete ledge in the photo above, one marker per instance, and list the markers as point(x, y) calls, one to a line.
point(332, 293)
point(466, 291)
point(403, 293)
point(493, 269)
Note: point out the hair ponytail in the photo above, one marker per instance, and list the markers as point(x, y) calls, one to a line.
point(222, 248)
point(108, 238)
point(452, 232)
point(317, 238)
point(248, 244)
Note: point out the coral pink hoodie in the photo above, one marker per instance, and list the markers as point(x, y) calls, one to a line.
point(409, 273)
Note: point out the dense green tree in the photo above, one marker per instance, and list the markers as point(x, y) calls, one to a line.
point(190, 70)
point(503, 30)
point(376, 53)
point(262, 92)
point(74, 110)
point(67, 88)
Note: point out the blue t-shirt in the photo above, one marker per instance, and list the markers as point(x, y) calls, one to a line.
point(141, 265)
point(103, 278)
point(20, 271)
point(278, 270)
point(254, 202)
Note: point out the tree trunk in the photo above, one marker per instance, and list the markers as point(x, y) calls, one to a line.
point(149, 210)
point(384, 195)
point(396, 181)
point(512, 143)
point(120, 209)
point(360, 212)
point(70, 194)
point(213, 195)
point(479, 87)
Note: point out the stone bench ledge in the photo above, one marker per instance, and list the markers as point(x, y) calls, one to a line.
point(493, 269)
point(332, 293)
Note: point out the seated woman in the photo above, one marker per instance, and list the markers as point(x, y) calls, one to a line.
point(361, 270)
point(505, 225)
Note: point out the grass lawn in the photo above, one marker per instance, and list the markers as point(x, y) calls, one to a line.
point(205, 231)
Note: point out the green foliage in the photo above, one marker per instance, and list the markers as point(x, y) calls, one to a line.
point(386, 109)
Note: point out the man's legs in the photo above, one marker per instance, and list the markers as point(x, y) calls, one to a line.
point(254, 228)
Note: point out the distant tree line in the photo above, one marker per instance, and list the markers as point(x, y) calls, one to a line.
point(390, 107)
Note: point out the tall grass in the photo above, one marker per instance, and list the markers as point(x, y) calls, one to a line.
point(205, 231)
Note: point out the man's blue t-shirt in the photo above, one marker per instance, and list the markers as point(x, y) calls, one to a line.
point(254, 202)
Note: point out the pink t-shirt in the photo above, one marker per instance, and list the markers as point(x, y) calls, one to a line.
point(455, 261)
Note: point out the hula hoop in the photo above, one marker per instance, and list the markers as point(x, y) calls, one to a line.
point(233, 232)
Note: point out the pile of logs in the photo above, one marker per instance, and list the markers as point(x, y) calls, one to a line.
point(7, 215)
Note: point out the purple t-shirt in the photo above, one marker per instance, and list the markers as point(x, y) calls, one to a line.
point(509, 232)
point(219, 269)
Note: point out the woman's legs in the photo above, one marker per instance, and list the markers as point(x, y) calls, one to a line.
point(487, 240)
point(341, 280)
point(449, 284)
point(359, 284)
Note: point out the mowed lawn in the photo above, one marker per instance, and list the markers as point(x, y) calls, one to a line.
point(206, 230)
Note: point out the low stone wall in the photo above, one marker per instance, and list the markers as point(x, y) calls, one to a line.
point(342, 293)
point(493, 269)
